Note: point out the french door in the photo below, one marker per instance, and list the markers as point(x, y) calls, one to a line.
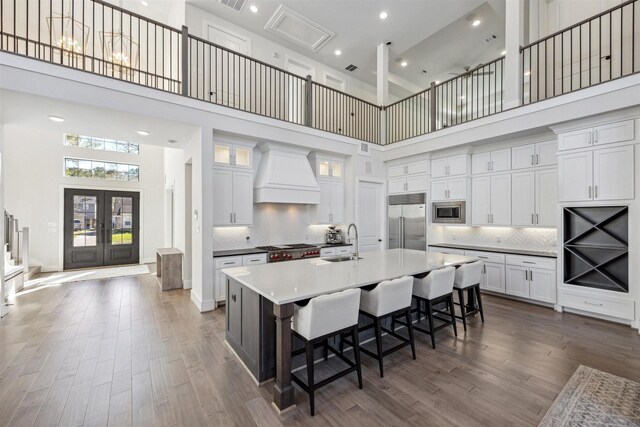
point(101, 228)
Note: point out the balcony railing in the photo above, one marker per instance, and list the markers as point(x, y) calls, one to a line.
point(97, 37)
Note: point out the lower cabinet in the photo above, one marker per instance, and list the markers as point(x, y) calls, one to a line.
point(517, 281)
point(335, 251)
point(531, 277)
point(447, 251)
point(493, 278)
point(220, 279)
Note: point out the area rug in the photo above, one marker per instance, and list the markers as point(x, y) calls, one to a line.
point(595, 398)
point(89, 274)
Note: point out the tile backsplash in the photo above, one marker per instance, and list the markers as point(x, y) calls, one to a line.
point(538, 239)
point(273, 224)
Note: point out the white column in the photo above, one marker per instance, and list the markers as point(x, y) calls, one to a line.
point(514, 35)
point(383, 85)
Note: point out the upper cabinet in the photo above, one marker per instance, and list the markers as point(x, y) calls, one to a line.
point(412, 168)
point(491, 200)
point(450, 166)
point(449, 189)
point(600, 135)
point(327, 167)
point(534, 155)
point(408, 177)
point(492, 161)
point(330, 174)
point(237, 155)
point(534, 197)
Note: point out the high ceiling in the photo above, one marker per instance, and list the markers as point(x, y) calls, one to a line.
point(432, 35)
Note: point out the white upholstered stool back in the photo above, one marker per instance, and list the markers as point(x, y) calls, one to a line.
point(387, 297)
point(468, 275)
point(435, 284)
point(327, 313)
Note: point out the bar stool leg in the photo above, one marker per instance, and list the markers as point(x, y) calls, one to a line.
point(462, 309)
point(325, 349)
point(453, 314)
point(379, 345)
point(410, 329)
point(479, 298)
point(356, 353)
point(310, 380)
point(430, 316)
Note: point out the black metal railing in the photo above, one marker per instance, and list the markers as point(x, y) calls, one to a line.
point(409, 117)
point(596, 50)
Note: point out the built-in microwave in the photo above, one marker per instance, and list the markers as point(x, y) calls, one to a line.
point(449, 212)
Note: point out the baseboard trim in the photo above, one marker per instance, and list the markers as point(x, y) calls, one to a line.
point(186, 284)
point(203, 306)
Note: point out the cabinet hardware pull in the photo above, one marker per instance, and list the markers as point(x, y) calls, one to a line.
point(230, 217)
point(233, 297)
point(596, 136)
point(537, 219)
point(530, 275)
point(589, 191)
point(488, 166)
point(532, 221)
point(596, 192)
point(229, 262)
point(537, 159)
point(489, 218)
point(593, 303)
point(532, 159)
point(528, 262)
point(234, 218)
point(589, 138)
point(526, 275)
point(483, 257)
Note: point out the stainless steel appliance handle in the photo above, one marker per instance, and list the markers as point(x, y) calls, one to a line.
point(401, 223)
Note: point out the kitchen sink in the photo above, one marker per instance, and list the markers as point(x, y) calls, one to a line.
point(342, 258)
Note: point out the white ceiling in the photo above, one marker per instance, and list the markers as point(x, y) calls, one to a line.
point(33, 112)
point(432, 35)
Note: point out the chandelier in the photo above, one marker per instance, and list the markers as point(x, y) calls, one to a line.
point(120, 50)
point(72, 36)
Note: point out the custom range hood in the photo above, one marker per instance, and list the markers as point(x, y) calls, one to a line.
point(285, 176)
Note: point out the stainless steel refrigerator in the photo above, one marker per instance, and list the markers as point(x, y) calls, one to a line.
point(408, 221)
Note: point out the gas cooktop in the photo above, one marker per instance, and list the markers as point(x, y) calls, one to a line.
point(290, 252)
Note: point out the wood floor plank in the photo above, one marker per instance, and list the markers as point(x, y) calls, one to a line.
point(97, 414)
point(54, 404)
point(142, 400)
point(120, 409)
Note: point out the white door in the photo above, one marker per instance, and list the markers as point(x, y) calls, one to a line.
point(613, 174)
point(457, 188)
point(370, 211)
point(457, 165)
point(546, 153)
point(523, 198)
point(438, 190)
point(501, 199)
point(438, 168)
point(223, 197)
point(417, 183)
point(337, 202)
point(324, 207)
point(546, 198)
point(481, 200)
point(397, 185)
point(243, 198)
point(517, 281)
point(576, 177)
point(221, 91)
point(542, 285)
point(494, 277)
point(480, 163)
point(501, 160)
point(523, 156)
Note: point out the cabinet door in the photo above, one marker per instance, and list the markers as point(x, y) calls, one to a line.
point(480, 163)
point(221, 286)
point(223, 196)
point(457, 188)
point(577, 139)
point(501, 160)
point(523, 156)
point(517, 281)
point(501, 199)
point(337, 169)
point(546, 198)
point(324, 207)
point(494, 277)
point(417, 167)
point(222, 154)
point(613, 173)
point(542, 285)
point(234, 311)
point(523, 198)
point(326, 252)
point(344, 250)
point(337, 202)
point(481, 200)
point(243, 156)
point(546, 153)
point(416, 183)
point(243, 198)
point(396, 171)
point(397, 185)
point(438, 190)
point(576, 177)
point(457, 165)
point(438, 168)
point(613, 132)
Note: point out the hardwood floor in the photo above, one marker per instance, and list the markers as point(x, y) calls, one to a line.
point(119, 352)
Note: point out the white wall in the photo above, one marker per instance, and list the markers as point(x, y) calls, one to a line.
point(3, 308)
point(547, 17)
point(34, 171)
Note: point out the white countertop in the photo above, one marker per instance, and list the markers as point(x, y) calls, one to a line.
point(286, 282)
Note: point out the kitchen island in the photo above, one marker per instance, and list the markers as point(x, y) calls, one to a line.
point(261, 302)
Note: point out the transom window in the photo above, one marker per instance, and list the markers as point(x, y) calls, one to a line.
point(101, 170)
point(83, 141)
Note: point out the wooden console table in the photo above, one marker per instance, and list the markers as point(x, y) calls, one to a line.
point(169, 268)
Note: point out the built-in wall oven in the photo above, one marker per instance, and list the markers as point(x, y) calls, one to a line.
point(449, 212)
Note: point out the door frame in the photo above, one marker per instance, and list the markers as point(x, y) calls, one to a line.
point(383, 209)
point(62, 187)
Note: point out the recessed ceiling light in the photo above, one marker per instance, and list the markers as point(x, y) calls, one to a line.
point(404, 63)
point(253, 8)
point(338, 52)
point(527, 73)
point(143, 132)
point(476, 22)
point(56, 119)
point(144, 3)
point(383, 15)
point(503, 53)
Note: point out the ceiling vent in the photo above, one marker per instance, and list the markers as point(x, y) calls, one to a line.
point(236, 5)
point(350, 67)
point(298, 29)
point(491, 39)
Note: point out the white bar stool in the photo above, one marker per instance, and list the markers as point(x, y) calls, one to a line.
point(324, 317)
point(389, 298)
point(435, 288)
point(468, 277)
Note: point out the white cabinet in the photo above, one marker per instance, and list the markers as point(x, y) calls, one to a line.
point(491, 200)
point(534, 155)
point(331, 206)
point(542, 285)
point(449, 189)
point(220, 263)
point(531, 277)
point(233, 197)
point(233, 155)
point(493, 161)
point(493, 273)
point(327, 167)
point(410, 184)
point(600, 135)
point(517, 281)
point(448, 251)
point(450, 166)
point(534, 198)
point(603, 174)
point(412, 168)
point(336, 251)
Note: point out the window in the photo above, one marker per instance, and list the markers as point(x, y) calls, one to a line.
point(82, 141)
point(101, 170)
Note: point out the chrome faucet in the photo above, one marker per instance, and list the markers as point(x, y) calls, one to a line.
point(357, 240)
